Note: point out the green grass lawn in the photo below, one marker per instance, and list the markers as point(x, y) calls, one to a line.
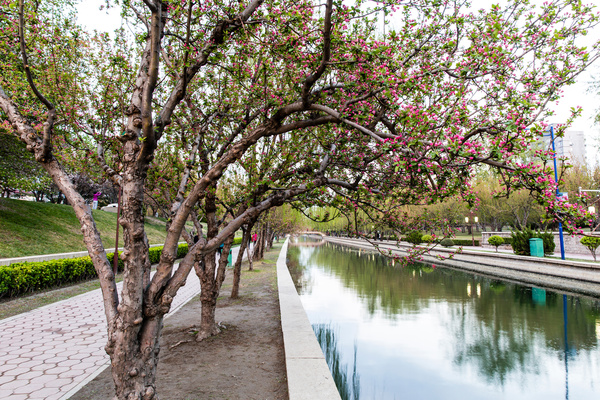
point(28, 228)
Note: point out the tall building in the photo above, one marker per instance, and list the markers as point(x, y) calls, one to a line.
point(572, 146)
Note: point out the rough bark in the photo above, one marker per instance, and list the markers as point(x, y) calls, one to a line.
point(249, 255)
point(211, 271)
point(259, 249)
point(270, 237)
point(237, 269)
point(211, 274)
point(134, 358)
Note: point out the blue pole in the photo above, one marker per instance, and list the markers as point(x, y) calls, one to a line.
point(565, 319)
point(560, 229)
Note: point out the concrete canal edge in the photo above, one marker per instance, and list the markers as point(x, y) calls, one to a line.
point(308, 375)
point(571, 277)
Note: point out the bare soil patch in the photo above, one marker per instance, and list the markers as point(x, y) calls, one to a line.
point(245, 361)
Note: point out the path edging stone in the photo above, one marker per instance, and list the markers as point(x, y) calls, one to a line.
point(308, 375)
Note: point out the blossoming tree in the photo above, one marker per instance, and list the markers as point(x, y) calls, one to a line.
point(301, 101)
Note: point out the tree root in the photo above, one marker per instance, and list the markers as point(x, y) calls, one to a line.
point(206, 333)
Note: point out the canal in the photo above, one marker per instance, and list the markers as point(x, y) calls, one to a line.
point(434, 333)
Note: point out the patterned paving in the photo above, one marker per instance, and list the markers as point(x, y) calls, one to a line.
point(47, 352)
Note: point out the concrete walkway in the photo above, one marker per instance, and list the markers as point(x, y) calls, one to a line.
point(50, 352)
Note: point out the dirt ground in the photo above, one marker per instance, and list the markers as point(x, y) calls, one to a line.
point(245, 361)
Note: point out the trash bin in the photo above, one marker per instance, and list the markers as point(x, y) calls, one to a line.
point(230, 257)
point(536, 247)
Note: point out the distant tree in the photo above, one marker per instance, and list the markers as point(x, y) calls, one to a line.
point(592, 243)
point(19, 171)
point(496, 241)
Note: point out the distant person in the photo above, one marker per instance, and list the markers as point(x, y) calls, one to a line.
point(95, 202)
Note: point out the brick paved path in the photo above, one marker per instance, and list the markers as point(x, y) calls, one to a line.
point(47, 352)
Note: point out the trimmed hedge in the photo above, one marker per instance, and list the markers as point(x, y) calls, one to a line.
point(457, 242)
point(447, 242)
point(465, 242)
point(19, 278)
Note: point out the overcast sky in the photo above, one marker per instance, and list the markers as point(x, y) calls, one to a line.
point(575, 95)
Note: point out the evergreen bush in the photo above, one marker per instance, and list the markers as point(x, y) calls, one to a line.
point(447, 242)
point(520, 241)
point(414, 237)
point(496, 241)
point(548, 239)
point(465, 242)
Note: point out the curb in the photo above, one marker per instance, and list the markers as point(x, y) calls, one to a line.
point(308, 375)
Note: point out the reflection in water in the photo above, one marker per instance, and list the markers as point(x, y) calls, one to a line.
point(431, 333)
point(349, 390)
point(566, 330)
point(307, 240)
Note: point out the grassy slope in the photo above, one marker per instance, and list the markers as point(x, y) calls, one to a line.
point(29, 228)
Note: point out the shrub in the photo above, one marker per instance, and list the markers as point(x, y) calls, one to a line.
point(496, 241)
point(520, 241)
point(548, 239)
point(447, 242)
point(592, 243)
point(465, 242)
point(19, 278)
point(414, 237)
point(427, 238)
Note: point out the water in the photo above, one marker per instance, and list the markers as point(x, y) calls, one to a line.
point(425, 333)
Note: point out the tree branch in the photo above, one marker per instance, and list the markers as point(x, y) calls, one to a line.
point(46, 144)
point(310, 81)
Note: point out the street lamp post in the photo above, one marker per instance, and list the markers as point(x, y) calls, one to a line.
point(472, 235)
point(592, 211)
point(471, 228)
point(560, 229)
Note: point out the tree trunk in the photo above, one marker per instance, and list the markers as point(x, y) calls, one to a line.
point(134, 358)
point(250, 250)
point(208, 325)
point(270, 239)
point(263, 242)
point(211, 275)
point(237, 269)
point(259, 249)
point(249, 256)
